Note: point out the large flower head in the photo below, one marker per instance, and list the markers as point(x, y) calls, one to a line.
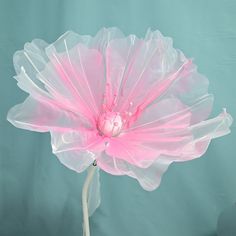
point(133, 105)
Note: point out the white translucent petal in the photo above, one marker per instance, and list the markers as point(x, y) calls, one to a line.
point(43, 116)
point(149, 178)
point(76, 160)
point(203, 133)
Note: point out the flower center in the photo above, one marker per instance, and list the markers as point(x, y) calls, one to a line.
point(110, 124)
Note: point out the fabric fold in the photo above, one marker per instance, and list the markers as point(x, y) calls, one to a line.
point(135, 105)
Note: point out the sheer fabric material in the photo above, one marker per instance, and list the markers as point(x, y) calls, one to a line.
point(162, 99)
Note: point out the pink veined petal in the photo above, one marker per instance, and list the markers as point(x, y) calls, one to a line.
point(120, 55)
point(82, 71)
point(135, 65)
point(134, 153)
point(202, 133)
point(43, 116)
point(161, 87)
point(149, 178)
point(39, 93)
point(81, 59)
point(171, 109)
point(37, 75)
point(142, 145)
point(140, 72)
point(168, 134)
point(29, 64)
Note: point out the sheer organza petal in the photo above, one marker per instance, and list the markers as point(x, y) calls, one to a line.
point(162, 99)
point(77, 140)
point(172, 136)
point(149, 65)
point(142, 144)
point(203, 133)
point(144, 71)
point(72, 76)
point(77, 160)
point(149, 178)
point(81, 71)
point(43, 116)
point(135, 65)
point(135, 153)
point(99, 41)
point(104, 37)
point(173, 109)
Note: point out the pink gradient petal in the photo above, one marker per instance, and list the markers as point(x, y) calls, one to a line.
point(135, 105)
point(81, 70)
point(142, 144)
point(135, 66)
point(149, 178)
point(71, 78)
point(135, 153)
point(43, 116)
point(141, 147)
point(172, 108)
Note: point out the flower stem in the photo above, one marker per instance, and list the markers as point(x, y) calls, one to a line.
point(91, 170)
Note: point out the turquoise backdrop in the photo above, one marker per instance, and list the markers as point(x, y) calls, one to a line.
point(41, 197)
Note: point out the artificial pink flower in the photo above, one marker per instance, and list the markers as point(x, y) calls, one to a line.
point(133, 105)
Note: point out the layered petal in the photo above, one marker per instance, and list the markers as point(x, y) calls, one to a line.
point(76, 149)
point(70, 74)
point(144, 142)
point(204, 132)
point(162, 102)
point(77, 140)
point(43, 116)
point(77, 160)
point(81, 71)
point(142, 72)
point(172, 135)
point(149, 178)
point(135, 65)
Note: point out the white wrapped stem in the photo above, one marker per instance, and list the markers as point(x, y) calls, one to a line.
point(90, 196)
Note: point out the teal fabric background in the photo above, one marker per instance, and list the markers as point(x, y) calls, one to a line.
point(39, 196)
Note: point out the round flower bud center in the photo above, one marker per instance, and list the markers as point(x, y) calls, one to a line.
point(110, 124)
